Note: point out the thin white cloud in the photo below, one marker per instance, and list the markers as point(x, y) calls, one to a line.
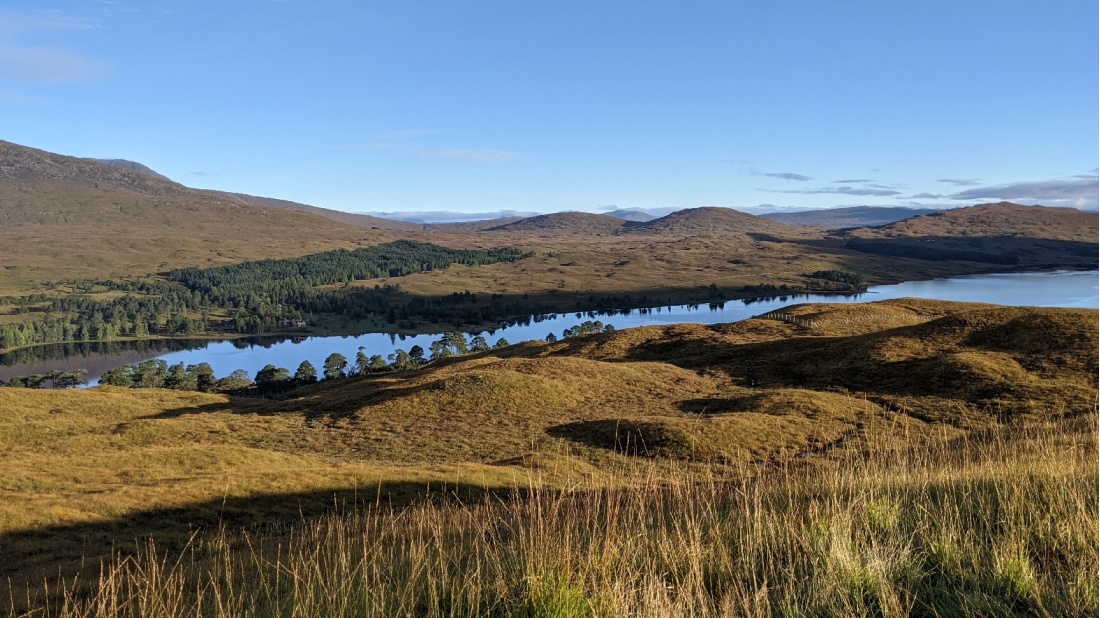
point(468, 154)
point(12, 98)
point(13, 23)
point(960, 182)
point(46, 65)
point(389, 139)
point(845, 190)
point(1078, 192)
point(367, 146)
point(785, 176)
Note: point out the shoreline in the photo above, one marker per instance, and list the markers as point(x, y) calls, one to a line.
point(42, 362)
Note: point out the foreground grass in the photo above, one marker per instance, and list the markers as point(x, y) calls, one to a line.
point(1001, 522)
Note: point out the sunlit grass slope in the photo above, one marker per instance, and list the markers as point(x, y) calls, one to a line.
point(998, 523)
point(813, 388)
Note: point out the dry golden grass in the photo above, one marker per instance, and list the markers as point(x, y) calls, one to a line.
point(82, 470)
point(999, 523)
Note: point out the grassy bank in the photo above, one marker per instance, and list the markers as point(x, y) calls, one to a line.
point(1002, 522)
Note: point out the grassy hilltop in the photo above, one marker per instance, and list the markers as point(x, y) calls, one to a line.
point(892, 458)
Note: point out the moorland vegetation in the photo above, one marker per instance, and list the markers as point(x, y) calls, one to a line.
point(99, 252)
point(894, 458)
point(906, 457)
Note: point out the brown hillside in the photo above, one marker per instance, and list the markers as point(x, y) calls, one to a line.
point(580, 223)
point(136, 167)
point(849, 217)
point(1002, 234)
point(911, 354)
point(1000, 219)
point(710, 220)
point(67, 218)
point(104, 464)
point(25, 167)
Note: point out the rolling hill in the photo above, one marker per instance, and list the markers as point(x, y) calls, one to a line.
point(65, 217)
point(631, 215)
point(855, 216)
point(135, 167)
point(710, 220)
point(1000, 219)
point(797, 387)
point(1004, 233)
point(576, 223)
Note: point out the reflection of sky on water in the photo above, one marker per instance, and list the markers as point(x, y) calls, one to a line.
point(1060, 289)
point(1063, 289)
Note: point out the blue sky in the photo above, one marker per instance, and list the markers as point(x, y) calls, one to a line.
point(481, 106)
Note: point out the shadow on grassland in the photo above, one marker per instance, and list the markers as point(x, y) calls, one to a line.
point(57, 552)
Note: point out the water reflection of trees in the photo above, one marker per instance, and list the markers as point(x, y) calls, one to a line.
point(158, 347)
point(62, 351)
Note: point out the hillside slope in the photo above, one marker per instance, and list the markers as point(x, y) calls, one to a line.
point(1000, 219)
point(66, 218)
point(1004, 234)
point(578, 223)
point(710, 220)
point(855, 216)
point(134, 166)
point(800, 387)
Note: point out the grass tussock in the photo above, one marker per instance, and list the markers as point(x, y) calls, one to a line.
point(1001, 522)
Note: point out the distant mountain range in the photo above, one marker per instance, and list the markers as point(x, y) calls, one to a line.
point(41, 188)
point(580, 223)
point(855, 216)
point(710, 220)
point(639, 216)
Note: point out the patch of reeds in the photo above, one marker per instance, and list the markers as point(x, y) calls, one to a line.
point(996, 523)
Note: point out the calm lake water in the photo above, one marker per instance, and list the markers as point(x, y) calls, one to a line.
point(1049, 289)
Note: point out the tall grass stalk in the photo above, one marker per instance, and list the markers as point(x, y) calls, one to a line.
point(1000, 523)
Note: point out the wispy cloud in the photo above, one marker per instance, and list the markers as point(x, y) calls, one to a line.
point(46, 65)
point(1079, 192)
point(960, 182)
point(367, 146)
point(389, 139)
point(14, 23)
point(787, 176)
point(845, 190)
point(468, 154)
point(11, 98)
point(852, 181)
point(926, 196)
point(24, 59)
